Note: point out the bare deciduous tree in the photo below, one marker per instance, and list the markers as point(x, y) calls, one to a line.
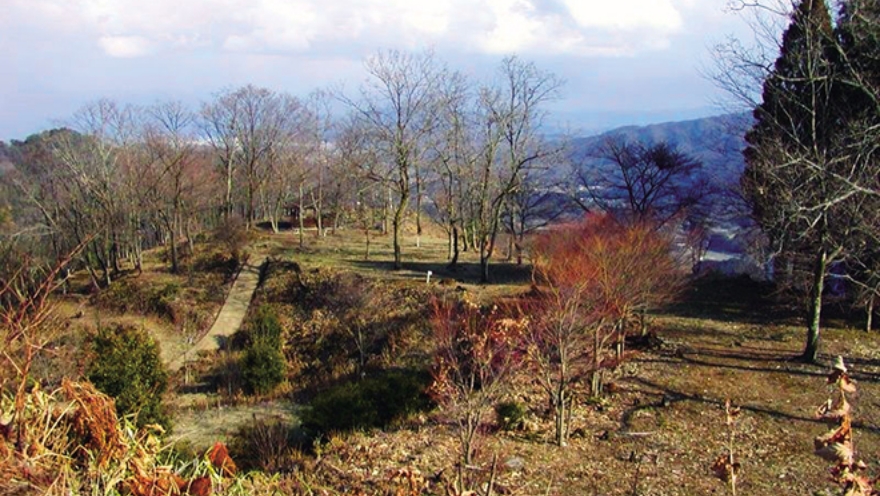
point(397, 105)
point(640, 182)
point(510, 144)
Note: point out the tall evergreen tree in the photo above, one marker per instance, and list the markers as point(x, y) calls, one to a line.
point(789, 178)
point(859, 34)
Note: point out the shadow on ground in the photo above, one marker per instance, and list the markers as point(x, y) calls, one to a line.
point(466, 273)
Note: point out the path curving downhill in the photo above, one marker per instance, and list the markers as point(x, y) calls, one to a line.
point(229, 319)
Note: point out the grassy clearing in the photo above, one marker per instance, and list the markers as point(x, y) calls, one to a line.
point(346, 251)
point(204, 423)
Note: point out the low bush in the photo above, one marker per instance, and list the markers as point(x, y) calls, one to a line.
point(264, 326)
point(262, 363)
point(373, 402)
point(510, 415)
point(215, 261)
point(262, 367)
point(126, 365)
point(162, 300)
point(332, 329)
point(132, 296)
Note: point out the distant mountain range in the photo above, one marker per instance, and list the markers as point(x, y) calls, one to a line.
point(715, 141)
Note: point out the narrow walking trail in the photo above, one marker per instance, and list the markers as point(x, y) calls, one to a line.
point(231, 316)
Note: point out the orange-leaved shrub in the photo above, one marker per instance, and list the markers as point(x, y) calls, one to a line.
point(478, 348)
point(591, 279)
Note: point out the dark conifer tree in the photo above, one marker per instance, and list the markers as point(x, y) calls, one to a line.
point(789, 158)
point(858, 30)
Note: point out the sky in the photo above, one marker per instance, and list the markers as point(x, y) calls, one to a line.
point(623, 61)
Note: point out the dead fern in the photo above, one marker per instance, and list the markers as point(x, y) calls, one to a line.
point(836, 445)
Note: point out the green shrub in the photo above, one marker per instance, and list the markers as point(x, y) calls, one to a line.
point(262, 363)
point(164, 296)
point(372, 402)
point(126, 365)
point(510, 415)
point(262, 367)
point(217, 262)
point(265, 326)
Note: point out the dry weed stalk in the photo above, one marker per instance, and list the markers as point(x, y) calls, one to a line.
point(836, 445)
point(75, 444)
point(726, 467)
point(27, 327)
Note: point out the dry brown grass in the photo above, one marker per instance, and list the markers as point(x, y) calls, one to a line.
point(661, 429)
point(658, 432)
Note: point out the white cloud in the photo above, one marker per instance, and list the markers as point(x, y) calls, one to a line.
point(125, 46)
point(660, 15)
point(129, 28)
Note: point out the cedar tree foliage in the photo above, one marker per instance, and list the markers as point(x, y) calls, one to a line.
point(811, 177)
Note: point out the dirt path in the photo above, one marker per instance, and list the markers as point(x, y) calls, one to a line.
point(230, 317)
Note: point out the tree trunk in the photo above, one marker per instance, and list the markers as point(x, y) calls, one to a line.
point(138, 257)
point(464, 238)
point(250, 210)
point(561, 406)
point(418, 209)
point(227, 208)
point(595, 374)
point(300, 217)
point(137, 245)
point(319, 214)
point(518, 247)
point(487, 247)
point(397, 226)
point(811, 350)
point(115, 254)
point(449, 235)
point(175, 263)
point(453, 264)
point(190, 242)
point(102, 255)
point(869, 310)
point(484, 263)
point(386, 211)
point(367, 242)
